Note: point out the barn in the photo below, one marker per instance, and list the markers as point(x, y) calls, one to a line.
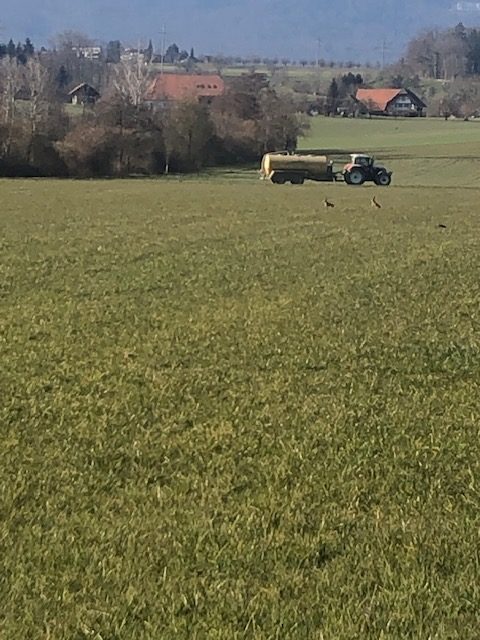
point(175, 87)
point(83, 94)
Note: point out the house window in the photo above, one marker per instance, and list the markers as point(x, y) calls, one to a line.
point(403, 103)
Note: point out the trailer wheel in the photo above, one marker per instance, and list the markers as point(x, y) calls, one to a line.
point(278, 179)
point(383, 179)
point(355, 177)
point(297, 180)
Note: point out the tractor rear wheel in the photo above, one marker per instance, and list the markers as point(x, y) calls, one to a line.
point(355, 177)
point(383, 179)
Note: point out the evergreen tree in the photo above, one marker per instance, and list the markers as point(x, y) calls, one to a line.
point(473, 55)
point(11, 49)
point(172, 54)
point(332, 97)
point(333, 89)
point(114, 50)
point(20, 54)
point(29, 49)
point(149, 52)
point(62, 78)
point(350, 83)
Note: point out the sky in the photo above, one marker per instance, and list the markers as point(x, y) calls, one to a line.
point(338, 29)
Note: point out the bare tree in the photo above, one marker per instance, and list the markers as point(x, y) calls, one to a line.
point(131, 79)
point(422, 54)
point(440, 54)
point(36, 83)
point(453, 51)
point(278, 125)
point(10, 84)
point(69, 40)
point(188, 131)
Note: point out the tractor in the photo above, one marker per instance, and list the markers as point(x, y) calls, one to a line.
point(362, 168)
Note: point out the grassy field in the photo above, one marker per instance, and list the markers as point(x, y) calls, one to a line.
point(294, 72)
point(228, 413)
point(422, 152)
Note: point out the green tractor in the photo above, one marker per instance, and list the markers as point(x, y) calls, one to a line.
point(362, 168)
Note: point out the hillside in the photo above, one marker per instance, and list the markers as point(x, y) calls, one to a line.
point(268, 28)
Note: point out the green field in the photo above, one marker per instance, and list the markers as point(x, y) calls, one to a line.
point(422, 152)
point(228, 413)
point(293, 72)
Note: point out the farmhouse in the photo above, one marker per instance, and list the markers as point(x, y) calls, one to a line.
point(389, 102)
point(173, 87)
point(83, 94)
point(133, 55)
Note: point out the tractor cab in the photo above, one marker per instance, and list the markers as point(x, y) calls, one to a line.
point(361, 160)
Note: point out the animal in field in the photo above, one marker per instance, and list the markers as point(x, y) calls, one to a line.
point(375, 203)
point(327, 204)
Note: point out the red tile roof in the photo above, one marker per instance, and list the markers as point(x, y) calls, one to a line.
point(378, 99)
point(183, 86)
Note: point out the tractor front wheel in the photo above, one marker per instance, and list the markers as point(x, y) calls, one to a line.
point(383, 179)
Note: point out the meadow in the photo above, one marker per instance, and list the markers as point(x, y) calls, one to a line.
point(229, 413)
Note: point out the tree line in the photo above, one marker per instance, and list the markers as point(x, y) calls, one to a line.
point(20, 51)
point(124, 133)
point(445, 54)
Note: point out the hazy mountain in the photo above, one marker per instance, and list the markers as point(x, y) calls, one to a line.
point(345, 28)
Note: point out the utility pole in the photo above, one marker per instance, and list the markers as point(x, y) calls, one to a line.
point(436, 65)
point(319, 48)
point(140, 58)
point(163, 33)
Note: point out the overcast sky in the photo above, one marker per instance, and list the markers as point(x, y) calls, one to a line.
point(292, 28)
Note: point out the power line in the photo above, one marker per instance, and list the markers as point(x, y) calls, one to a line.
point(319, 47)
point(384, 48)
